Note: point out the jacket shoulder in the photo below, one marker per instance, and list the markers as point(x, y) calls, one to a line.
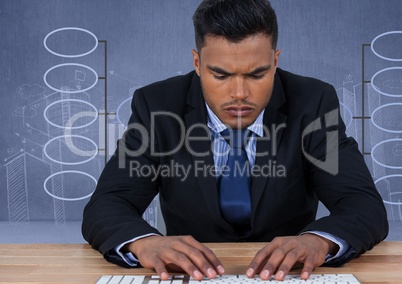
point(301, 90)
point(294, 81)
point(169, 94)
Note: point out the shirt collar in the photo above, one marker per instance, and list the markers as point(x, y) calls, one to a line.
point(216, 125)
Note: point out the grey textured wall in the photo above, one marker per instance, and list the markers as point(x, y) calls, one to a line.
point(44, 184)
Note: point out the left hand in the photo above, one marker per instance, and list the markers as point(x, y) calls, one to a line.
point(280, 255)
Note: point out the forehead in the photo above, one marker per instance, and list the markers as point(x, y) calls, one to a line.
point(255, 39)
point(250, 52)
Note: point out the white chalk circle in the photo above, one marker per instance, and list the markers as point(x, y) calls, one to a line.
point(395, 150)
point(381, 36)
point(91, 154)
point(384, 71)
point(66, 198)
point(121, 109)
point(70, 29)
point(389, 109)
point(388, 177)
point(70, 91)
point(86, 113)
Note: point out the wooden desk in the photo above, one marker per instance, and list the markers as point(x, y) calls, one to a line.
point(80, 264)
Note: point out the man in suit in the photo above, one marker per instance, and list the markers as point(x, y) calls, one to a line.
point(294, 151)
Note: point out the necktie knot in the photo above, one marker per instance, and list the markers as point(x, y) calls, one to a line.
point(236, 138)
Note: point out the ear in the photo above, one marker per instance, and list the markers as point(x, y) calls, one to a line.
point(196, 61)
point(276, 57)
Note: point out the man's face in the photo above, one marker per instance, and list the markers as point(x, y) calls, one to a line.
point(237, 78)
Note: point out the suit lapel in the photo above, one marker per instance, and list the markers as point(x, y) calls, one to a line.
point(274, 119)
point(196, 114)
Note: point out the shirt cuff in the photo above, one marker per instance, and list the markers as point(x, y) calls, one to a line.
point(128, 257)
point(343, 245)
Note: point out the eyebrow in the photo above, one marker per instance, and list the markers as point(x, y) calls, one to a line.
point(253, 72)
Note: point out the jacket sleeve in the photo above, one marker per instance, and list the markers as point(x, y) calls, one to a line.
point(338, 175)
point(113, 215)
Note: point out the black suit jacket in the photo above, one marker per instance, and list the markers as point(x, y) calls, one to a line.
point(280, 205)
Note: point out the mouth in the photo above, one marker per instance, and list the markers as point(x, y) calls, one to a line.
point(236, 111)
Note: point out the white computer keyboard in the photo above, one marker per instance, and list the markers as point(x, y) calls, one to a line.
point(183, 279)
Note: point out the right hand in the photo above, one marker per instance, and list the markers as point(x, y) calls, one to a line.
point(176, 253)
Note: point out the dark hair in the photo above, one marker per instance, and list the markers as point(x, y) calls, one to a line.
point(234, 20)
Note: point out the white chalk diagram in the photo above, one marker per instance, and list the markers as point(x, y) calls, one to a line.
point(67, 144)
point(57, 109)
point(385, 108)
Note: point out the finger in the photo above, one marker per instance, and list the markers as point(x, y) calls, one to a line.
point(174, 267)
point(199, 260)
point(209, 254)
point(308, 268)
point(181, 260)
point(273, 263)
point(212, 258)
point(203, 257)
point(214, 261)
point(288, 262)
point(160, 269)
point(259, 260)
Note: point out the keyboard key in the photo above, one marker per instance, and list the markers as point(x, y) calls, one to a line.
point(115, 279)
point(128, 279)
point(104, 279)
point(138, 279)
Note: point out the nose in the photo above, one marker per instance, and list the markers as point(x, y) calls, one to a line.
point(239, 90)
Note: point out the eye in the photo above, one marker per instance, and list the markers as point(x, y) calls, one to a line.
point(257, 76)
point(220, 77)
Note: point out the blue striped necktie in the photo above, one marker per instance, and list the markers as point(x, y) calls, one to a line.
point(234, 182)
